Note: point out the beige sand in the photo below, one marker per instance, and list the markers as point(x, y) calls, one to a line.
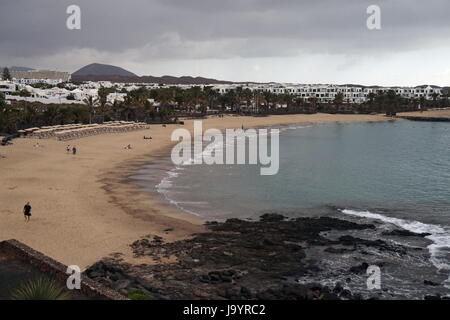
point(82, 208)
point(430, 113)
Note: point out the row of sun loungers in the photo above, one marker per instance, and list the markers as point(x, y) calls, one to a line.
point(70, 132)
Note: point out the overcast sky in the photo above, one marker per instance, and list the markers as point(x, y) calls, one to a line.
point(242, 40)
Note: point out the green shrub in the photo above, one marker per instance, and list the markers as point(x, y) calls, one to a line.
point(139, 295)
point(40, 289)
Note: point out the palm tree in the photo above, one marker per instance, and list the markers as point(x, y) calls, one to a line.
point(91, 103)
point(435, 96)
point(247, 96)
point(126, 106)
point(195, 98)
point(231, 99)
point(446, 95)
point(269, 99)
point(40, 289)
point(393, 100)
point(29, 115)
point(422, 102)
point(103, 100)
point(298, 102)
point(180, 98)
point(287, 99)
point(260, 99)
point(9, 117)
point(149, 110)
point(50, 115)
point(6, 74)
point(338, 100)
point(312, 100)
point(371, 101)
point(211, 97)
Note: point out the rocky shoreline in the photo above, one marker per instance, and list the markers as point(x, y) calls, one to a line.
point(275, 258)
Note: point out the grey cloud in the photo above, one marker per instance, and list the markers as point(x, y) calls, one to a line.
point(202, 29)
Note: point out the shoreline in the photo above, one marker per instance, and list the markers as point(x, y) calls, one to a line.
point(165, 154)
point(84, 209)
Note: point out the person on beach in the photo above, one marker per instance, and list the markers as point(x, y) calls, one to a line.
point(74, 150)
point(27, 212)
point(68, 149)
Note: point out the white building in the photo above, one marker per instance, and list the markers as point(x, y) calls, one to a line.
point(7, 87)
point(327, 92)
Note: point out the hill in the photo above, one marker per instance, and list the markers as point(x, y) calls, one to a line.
point(14, 68)
point(146, 79)
point(97, 69)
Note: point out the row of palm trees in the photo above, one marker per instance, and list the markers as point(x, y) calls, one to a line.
point(167, 104)
point(20, 115)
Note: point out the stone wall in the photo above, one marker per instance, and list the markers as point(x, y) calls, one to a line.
point(55, 269)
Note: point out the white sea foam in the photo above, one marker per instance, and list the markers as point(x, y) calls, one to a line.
point(439, 249)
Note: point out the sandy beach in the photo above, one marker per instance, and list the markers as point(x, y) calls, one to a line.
point(429, 113)
point(83, 207)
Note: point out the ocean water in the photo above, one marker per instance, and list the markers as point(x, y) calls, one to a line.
point(397, 173)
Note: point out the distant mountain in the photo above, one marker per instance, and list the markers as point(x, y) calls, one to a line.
point(150, 79)
point(14, 68)
point(182, 80)
point(97, 69)
point(103, 72)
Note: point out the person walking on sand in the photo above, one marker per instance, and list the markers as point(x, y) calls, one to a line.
point(74, 150)
point(27, 212)
point(68, 148)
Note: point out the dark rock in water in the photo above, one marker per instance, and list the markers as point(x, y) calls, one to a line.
point(337, 250)
point(357, 297)
point(121, 284)
point(338, 288)
point(246, 293)
point(158, 239)
point(95, 274)
point(430, 283)
point(360, 269)
point(272, 217)
point(435, 297)
point(293, 292)
point(404, 233)
point(379, 244)
point(346, 294)
point(214, 277)
point(241, 260)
